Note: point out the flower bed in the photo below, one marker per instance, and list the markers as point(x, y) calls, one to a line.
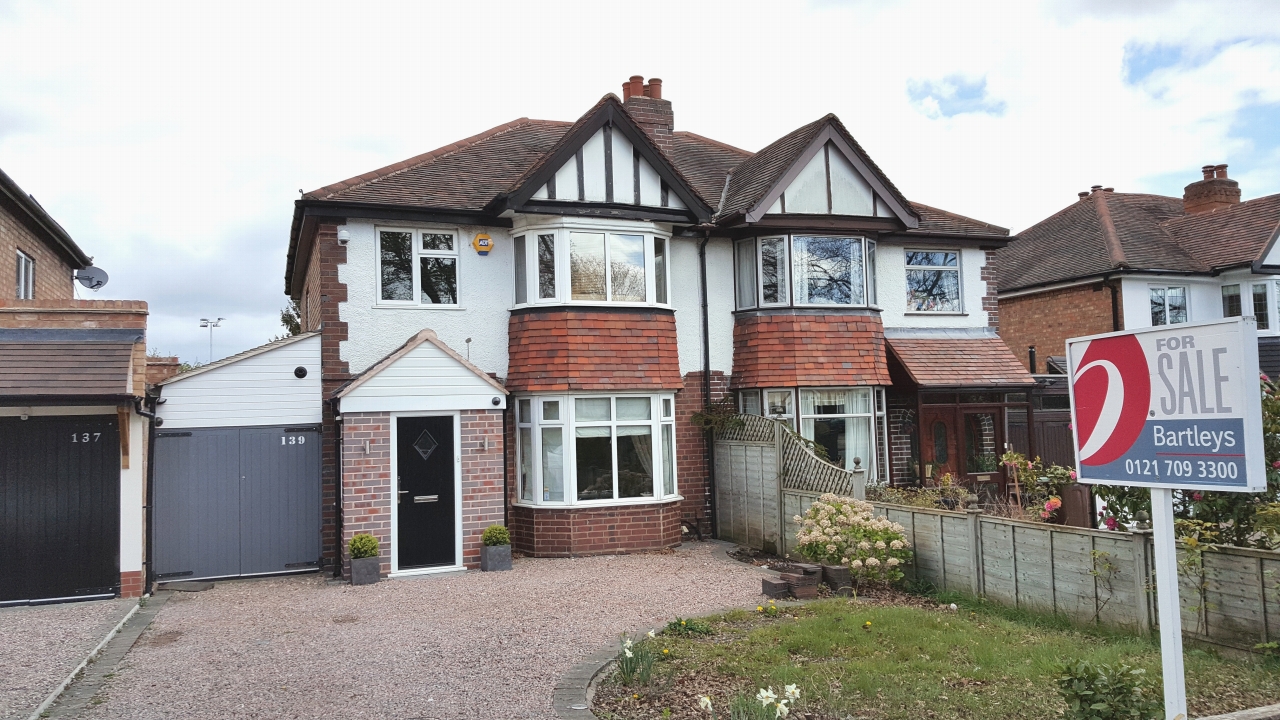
point(900, 656)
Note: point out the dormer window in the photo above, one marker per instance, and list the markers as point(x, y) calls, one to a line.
point(590, 266)
point(805, 270)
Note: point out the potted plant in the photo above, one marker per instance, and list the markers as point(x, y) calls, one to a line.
point(496, 553)
point(366, 566)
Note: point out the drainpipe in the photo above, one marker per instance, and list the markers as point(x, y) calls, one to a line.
point(148, 576)
point(706, 379)
point(506, 470)
point(1115, 306)
point(337, 488)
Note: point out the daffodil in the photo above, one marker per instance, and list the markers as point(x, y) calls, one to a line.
point(626, 643)
point(766, 697)
point(791, 691)
point(650, 633)
point(704, 702)
point(627, 652)
point(781, 710)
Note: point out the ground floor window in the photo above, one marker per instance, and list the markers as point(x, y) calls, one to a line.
point(593, 449)
point(844, 422)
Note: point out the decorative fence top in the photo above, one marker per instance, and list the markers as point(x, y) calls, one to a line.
point(799, 469)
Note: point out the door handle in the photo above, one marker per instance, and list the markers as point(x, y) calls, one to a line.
point(425, 498)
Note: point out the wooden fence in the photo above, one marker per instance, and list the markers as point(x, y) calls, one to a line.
point(1232, 596)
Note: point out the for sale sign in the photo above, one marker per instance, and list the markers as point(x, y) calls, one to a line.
point(1175, 407)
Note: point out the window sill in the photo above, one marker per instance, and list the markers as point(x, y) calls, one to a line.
point(591, 504)
point(589, 304)
point(936, 312)
point(410, 306)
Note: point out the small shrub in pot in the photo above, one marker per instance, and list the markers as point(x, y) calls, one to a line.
point(366, 566)
point(496, 553)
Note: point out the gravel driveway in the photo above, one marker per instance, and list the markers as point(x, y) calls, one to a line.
point(40, 646)
point(474, 645)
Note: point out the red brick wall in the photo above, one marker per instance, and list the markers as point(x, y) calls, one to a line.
point(53, 274)
point(160, 369)
point(787, 349)
point(901, 418)
point(692, 457)
point(367, 488)
point(655, 116)
point(561, 349)
point(483, 472)
point(1047, 319)
point(327, 255)
point(131, 584)
point(566, 532)
point(990, 303)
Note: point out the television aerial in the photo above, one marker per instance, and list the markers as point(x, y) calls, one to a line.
point(92, 277)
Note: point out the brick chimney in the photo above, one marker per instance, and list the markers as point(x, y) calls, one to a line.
point(1213, 192)
point(644, 103)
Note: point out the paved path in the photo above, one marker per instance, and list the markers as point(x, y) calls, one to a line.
point(41, 645)
point(475, 645)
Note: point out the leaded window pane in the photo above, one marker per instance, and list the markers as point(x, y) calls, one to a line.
point(1176, 301)
point(1260, 307)
point(1158, 314)
point(1231, 301)
point(396, 260)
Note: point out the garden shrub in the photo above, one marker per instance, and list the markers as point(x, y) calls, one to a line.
point(496, 535)
point(363, 545)
point(844, 531)
point(1108, 692)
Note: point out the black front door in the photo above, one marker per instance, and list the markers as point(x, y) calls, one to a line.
point(425, 533)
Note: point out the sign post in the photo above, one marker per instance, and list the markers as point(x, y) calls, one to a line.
point(1171, 407)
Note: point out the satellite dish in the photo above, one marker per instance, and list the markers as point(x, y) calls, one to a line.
point(92, 277)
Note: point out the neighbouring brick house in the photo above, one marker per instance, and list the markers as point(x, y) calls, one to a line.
point(1114, 261)
point(73, 427)
point(519, 327)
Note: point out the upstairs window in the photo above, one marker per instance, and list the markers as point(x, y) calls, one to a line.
point(933, 281)
point(1261, 306)
point(26, 279)
point(417, 267)
point(1168, 305)
point(603, 267)
point(1231, 301)
point(805, 270)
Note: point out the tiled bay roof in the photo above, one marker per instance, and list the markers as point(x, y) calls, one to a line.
point(949, 362)
point(1109, 232)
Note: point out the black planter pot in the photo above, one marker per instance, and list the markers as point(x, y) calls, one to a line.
point(365, 571)
point(495, 557)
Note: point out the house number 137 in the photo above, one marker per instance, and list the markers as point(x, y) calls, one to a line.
point(85, 437)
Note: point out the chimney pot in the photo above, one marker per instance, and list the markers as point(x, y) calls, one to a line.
point(654, 88)
point(1220, 171)
point(626, 90)
point(1094, 188)
point(1208, 172)
point(637, 85)
point(1108, 189)
point(1083, 194)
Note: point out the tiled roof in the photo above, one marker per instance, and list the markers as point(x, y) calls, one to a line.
point(1106, 232)
point(947, 362)
point(933, 220)
point(705, 163)
point(67, 369)
point(17, 200)
point(464, 175)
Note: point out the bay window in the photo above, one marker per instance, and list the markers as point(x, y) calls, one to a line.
point(805, 270)
point(1168, 305)
point(933, 281)
point(417, 267)
point(581, 266)
point(595, 449)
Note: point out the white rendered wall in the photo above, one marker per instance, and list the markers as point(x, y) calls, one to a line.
point(891, 291)
point(1204, 297)
point(686, 297)
point(424, 379)
point(132, 497)
point(258, 390)
point(485, 295)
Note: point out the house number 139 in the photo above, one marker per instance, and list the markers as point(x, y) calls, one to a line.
point(293, 440)
point(85, 437)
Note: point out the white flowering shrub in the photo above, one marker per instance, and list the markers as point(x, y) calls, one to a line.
point(844, 531)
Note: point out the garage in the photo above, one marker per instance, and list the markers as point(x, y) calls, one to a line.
point(59, 507)
point(236, 469)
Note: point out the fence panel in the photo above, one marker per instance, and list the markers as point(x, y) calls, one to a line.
point(747, 494)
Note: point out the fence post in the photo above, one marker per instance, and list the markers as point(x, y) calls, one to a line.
point(975, 551)
point(1141, 575)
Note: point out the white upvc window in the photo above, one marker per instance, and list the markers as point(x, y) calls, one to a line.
point(821, 270)
point(417, 266)
point(587, 265)
point(26, 277)
point(1168, 304)
point(1261, 306)
point(775, 404)
point(933, 281)
point(840, 421)
point(595, 449)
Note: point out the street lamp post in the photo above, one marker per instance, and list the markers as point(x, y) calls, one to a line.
point(211, 324)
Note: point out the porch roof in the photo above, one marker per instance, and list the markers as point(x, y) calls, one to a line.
point(46, 365)
point(956, 362)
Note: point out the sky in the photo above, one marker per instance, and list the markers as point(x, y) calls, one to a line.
point(171, 139)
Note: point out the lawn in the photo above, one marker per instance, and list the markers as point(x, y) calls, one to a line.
point(916, 659)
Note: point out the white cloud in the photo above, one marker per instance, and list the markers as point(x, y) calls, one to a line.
point(171, 138)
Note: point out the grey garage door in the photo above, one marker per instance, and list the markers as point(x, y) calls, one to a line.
point(236, 501)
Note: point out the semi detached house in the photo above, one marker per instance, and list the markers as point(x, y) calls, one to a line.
point(519, 327)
